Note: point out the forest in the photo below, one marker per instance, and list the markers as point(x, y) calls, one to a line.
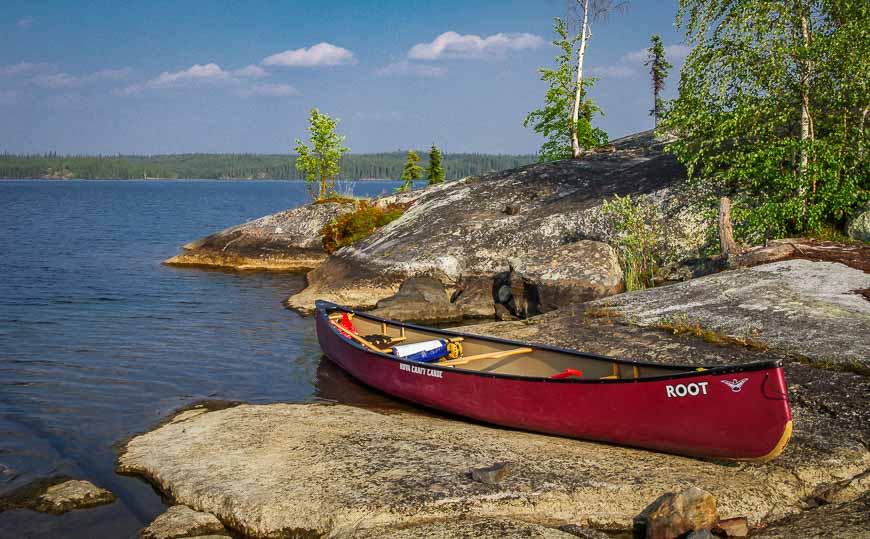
point(239, 166)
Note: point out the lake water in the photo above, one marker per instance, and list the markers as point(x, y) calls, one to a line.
point(99, 341)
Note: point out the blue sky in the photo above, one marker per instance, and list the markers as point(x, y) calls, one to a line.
point(160, 76)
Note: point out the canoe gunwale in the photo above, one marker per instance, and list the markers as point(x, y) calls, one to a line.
point(322, 306)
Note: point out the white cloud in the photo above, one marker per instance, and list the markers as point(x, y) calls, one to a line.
point(631, 64)
point(453, 45)
point(405, 67)
point(673, 53)
point(677, 53)
point(238, 81)
point(26, 22)
point(269, 90)
point(195, 73)
point(57, 80)
point(26, 68)
point(251, 71)
point(613, 72)
point(322, 54)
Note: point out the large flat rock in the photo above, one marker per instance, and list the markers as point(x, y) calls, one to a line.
point(544, 221)
point(286, 241)
point(848, 520)
point(56, 495)
point(284, 469)
point(798, 306)
point(468, 528)
point(181, 521)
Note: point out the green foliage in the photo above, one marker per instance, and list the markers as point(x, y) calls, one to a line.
point(553, 121)
point(772, 108)
point(238, 166)
point(354, 226)
point(639, 232)
point(411, 172)
point(435, 170)
point(320, 162)
point(658, 70)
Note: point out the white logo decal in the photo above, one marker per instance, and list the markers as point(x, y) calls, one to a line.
point(735, 384)
point(681, 390)
point(434, 373)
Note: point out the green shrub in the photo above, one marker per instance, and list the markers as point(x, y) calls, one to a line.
point(354, 226)
point(639, 239)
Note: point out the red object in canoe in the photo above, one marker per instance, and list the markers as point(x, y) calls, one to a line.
point(734, 412)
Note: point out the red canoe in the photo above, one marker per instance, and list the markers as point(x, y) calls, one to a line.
point(734, 412)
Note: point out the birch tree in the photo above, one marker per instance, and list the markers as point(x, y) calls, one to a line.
point(554, 121)
point(771, 110)
point(598, 9)
point(320, 162)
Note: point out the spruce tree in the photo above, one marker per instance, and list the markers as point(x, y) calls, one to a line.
point(658, 70)
point(435, 171)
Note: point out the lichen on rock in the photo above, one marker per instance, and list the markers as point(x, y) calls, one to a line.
point(286, 241)
point(554, 233)
point(72, 494)
point(180, 521)
point(859, 226)
point(798, 306)
point(340, 470)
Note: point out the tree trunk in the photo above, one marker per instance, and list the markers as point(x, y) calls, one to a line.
point(726, 232)
point(578, 92)
point(861, 133)
point(806, 120)
point(323, 189)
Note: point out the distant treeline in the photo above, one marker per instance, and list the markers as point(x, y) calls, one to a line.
point(238, 166)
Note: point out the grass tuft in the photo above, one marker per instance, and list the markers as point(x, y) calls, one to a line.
point(679, 324)
point(339, 199)
point(352, 227)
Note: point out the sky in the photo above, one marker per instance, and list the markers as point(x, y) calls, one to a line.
point(157, 77)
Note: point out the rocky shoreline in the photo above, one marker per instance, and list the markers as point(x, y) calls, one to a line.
point(354, 471)
point(531, 247)
point(286, 241)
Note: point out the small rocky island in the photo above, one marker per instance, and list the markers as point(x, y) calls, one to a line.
point(529, 254)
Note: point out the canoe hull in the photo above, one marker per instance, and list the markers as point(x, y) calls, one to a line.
point(697, 414)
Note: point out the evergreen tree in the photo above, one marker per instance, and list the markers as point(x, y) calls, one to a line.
point(411, 172)
point(771, 111)
point(320, 163)
point(554, 121)
point(435, 171)
point(658, 70)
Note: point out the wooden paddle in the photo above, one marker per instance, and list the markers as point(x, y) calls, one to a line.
point(357, 338)
point(488, 355)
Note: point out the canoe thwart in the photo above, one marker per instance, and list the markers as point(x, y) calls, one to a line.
point(488, 355)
